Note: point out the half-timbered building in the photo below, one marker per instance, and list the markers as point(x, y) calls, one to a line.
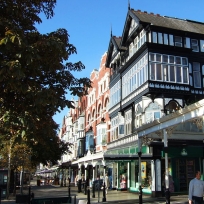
point(157, 69)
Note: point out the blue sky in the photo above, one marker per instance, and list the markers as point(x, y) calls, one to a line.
point(89, 24)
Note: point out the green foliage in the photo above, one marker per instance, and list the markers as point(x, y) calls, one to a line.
point(35, 76)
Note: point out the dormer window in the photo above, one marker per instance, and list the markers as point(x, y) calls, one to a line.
point(160, 38)
point(166, 40)
point(202, 45)
point(171, 40)
point(178, 41)
point(187, 43)
point(154, 37)
point(194, 45)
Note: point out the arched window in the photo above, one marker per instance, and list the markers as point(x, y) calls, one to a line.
point(172, 106)
point(152, 112)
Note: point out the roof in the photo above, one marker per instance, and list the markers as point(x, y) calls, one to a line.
point(118, 42)
point(170, 22)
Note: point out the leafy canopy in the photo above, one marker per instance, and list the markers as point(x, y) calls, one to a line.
point(35, 76)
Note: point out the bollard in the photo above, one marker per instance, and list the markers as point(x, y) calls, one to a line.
point(167, 195)
point(74, 199)
point(98, 191)
point(104, 192)
point(85, 189)
point(0, 195)
point(93, 190)
point(88, 195)
point(29, 195)
point(69, 189)
point(69, 195)
point(79, 186)
point(140, 194)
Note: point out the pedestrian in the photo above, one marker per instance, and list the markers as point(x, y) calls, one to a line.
point(82, 181)
point(76, 180)
point(107, 183)
point(196, 190)
point(171, 184)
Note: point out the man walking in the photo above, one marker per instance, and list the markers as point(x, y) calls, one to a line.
point(196, 190)
point(107, 183)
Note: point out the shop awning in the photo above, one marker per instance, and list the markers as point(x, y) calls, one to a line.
point(126, 153)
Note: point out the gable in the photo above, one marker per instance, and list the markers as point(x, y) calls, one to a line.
point(131, 24)
point(114, 50)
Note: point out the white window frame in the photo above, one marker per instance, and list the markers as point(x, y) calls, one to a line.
point(196, 75)
point(194, 45)
point(168, 68)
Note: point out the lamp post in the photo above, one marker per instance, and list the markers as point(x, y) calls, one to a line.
point(140, 173)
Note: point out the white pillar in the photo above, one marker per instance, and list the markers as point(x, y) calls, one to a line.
point(104, 169)
point(128, 175)
point(117, 175)
point(85, 165)
point(113, 176)
point(93, 173)
point(140, 151)
point(153, 176)
point(158, 174)
point(166, 160)
point(79, 171)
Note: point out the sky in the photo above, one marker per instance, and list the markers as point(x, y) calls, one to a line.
point(89, 24)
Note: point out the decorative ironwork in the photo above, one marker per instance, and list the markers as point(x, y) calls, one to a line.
point(159, 133)
point(170, 130)
point(198, 122)
point(146, 140)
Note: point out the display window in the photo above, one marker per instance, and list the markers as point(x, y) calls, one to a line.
point(123, 175)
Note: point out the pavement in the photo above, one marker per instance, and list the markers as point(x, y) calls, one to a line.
point(113, 196)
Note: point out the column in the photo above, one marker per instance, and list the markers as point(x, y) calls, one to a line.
point(79, 178)
point(85, 173)
point(140, 172)
point(128, 176)
point(167, 194)
point(153, 188)
point(93, 179)
point(158, 187)
point(117, 175)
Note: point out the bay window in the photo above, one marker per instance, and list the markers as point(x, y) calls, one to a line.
point(168, 68)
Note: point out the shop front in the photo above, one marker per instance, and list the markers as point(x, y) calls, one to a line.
point(125, 168)
point(185, 160)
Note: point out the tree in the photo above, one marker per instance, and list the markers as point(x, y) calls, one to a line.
point(35, 76)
